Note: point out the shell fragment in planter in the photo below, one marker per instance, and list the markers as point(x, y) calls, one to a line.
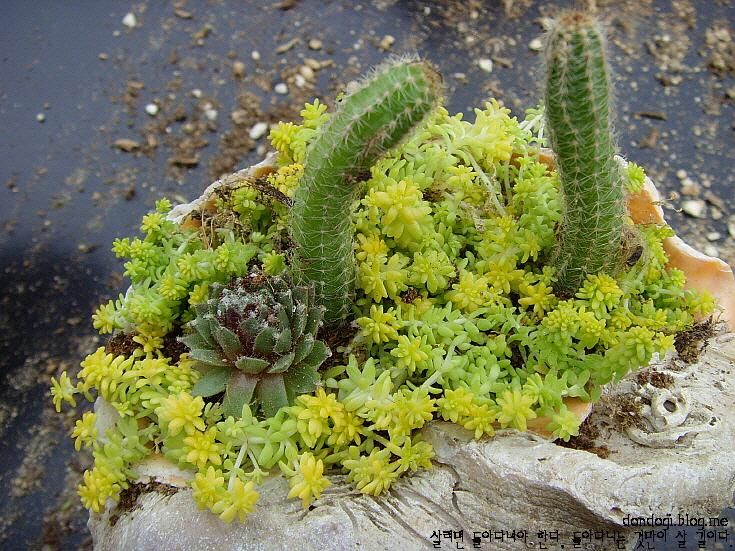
point(255, 338)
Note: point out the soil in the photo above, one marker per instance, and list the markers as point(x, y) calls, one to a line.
point(129, 497)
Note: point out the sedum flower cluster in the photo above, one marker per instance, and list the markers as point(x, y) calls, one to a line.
point(455, 318)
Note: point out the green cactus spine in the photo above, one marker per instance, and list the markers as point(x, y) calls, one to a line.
point(255, 340)
point(370, 121)
point(578, 112)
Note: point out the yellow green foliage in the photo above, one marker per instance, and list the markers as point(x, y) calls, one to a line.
point(455, 318)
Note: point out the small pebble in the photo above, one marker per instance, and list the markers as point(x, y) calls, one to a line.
point(255, 54)
point(689, 187)
point(40, 117)
point(306, 72)
point(711, 250)
point(681, 174)
point(258, 130)
point(731, 226)
point(210, 112)
point(196, 93)
point(281, 88)
point(386, 42)
point(130, 21)
point(238, 69)
point(713, 236)
point(315, 44)
point(485, 64)
point(103, 56)
point(299, 81)
point(536, 45)
point(239, 116)
point(693, 207)
point(151, 109)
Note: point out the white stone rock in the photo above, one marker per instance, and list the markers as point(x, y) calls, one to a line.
point(486, 64)
point(258, 130)
point(130, 21)
point(536, 45)
point(281, 88)
point(151, 109)
point(693, 207)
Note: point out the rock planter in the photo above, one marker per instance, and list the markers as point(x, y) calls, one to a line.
point(656, 448)
point(486, 290)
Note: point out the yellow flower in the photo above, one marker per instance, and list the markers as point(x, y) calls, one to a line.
point(206, 487)
point(515, 409)
point(310, 481)
point(410, 352)
point(455, 404)
point(181, 411)
point(149, 343)
point(200, 448)
point(347, 429)
point(238, 501)
point(480, 418)
point(63, 391)
point(405, 212)
point(372, 474)
point(85, 431)
point(380, 326)
point(470, 293)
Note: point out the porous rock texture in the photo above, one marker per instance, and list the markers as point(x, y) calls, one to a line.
point(669, 431)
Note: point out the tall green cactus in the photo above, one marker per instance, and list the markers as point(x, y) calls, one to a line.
point(368, 122)
point(578, 112)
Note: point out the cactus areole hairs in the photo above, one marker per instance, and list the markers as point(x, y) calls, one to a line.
point(578, 111)
point(370, 121)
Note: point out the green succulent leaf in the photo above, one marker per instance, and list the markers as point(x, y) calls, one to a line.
point(204, 326)
point(265, 341)
point(213, 382)
point(284, 318)
point(209, 357)
point(228, 340)
point(271, 393)
point(318, 354)
point(300, 379)
point(251, 326)
point(286, 300)
point(251, 365)
point(303, 348)
point(238, 392)
point(298, 320)
point(315, 316)
point(194, 341)
point(282, 364)
point(284, 341)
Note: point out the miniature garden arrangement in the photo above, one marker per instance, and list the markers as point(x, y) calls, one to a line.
point(394, 265)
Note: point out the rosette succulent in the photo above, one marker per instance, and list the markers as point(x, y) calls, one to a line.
point(255, 338)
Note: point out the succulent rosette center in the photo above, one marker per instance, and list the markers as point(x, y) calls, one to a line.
point(254, 341)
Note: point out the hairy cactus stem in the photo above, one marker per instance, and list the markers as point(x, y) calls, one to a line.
point(578, 112)
point(370, 121)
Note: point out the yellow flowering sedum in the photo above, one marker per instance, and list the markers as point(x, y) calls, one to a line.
point(455, 317)
point(181, 412)
point(309, 482)
point(237, 502)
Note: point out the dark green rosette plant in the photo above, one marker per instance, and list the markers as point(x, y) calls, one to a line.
point(256, 339)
